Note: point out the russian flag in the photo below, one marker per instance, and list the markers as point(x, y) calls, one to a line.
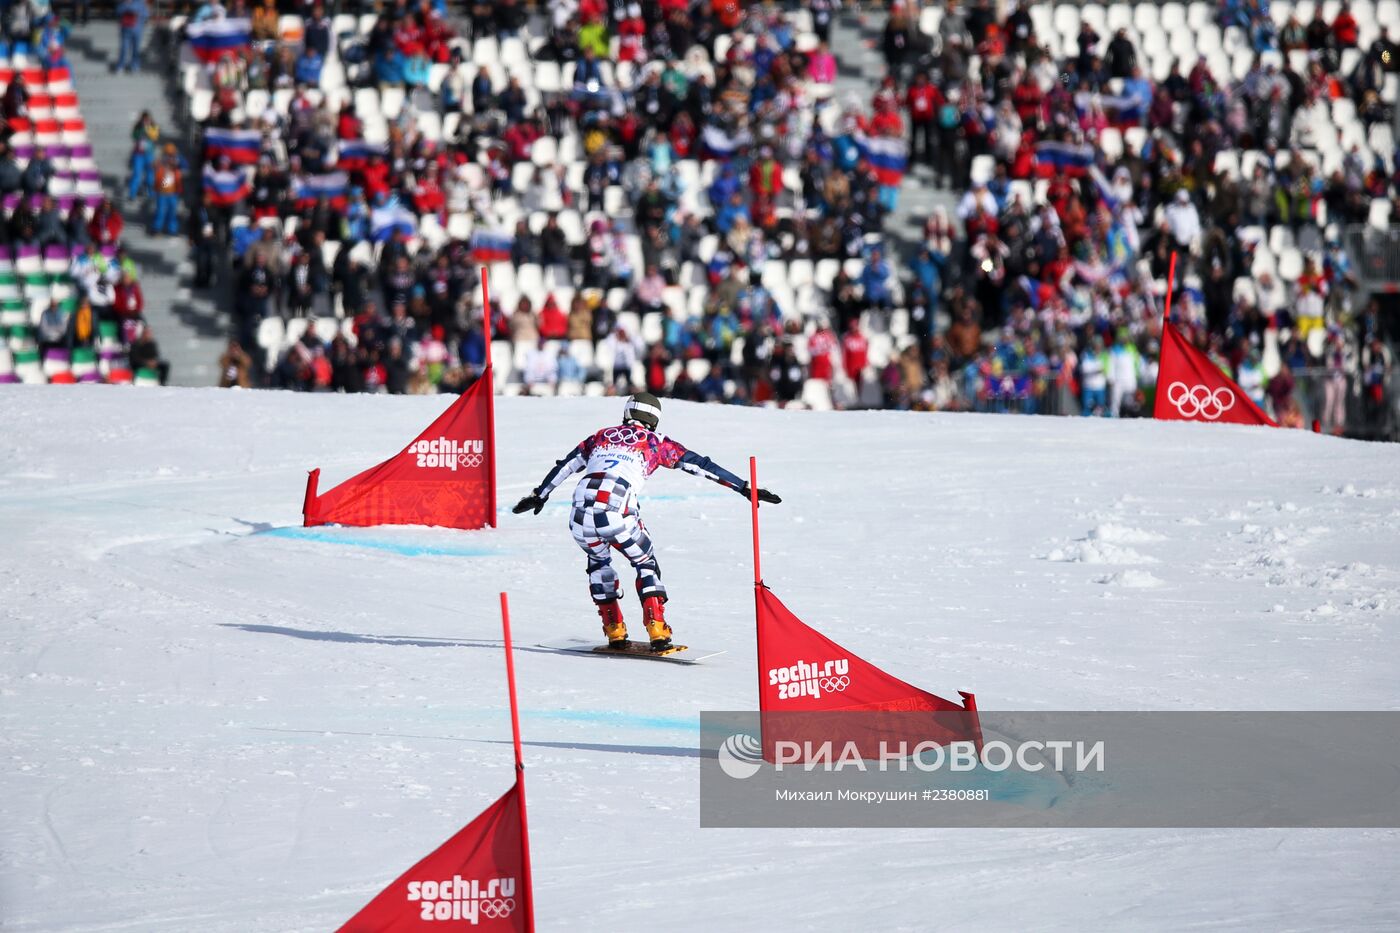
point(1104, 186)
point(1122, 110)
point(214, 39)
point(391, 218)
point(226, 188)
point(334, 186)
point(241, 146)
point(354, 153)
point(887, 155)
point(721, 144)
point(491, 247)
point(1052, 157)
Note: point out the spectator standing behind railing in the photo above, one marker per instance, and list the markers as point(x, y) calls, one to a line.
point(169, 186)
point(131, 26)
point(234, 366)
point(1376, 367)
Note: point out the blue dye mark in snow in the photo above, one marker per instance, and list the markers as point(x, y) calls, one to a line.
point(618, 718)
point(405, 548)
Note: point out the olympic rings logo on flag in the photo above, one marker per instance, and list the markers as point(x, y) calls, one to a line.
point(1199, 401)
point(499, 907)
point(835, 684)
point(470, 461)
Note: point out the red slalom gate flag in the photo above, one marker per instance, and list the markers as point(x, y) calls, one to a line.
point(1192, 388)
point(474, 881)
point(446, 477)
point(803, 673)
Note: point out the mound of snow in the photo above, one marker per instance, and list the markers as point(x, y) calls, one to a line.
point(1132, 579)
point(1123, 534)
point(1097, 552)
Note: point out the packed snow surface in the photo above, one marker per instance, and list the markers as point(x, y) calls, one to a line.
point(214, 720)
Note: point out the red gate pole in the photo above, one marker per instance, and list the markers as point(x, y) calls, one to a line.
point(1171, 281)
point(529, 893)
point(489, 375)
point(753, 507)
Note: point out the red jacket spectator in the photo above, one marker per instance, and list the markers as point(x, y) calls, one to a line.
point(520, 137)
point(1026, 98)
point(631, 39)
point(376, 177)
point(129, 301)
point(683, 135)
point(349, 126)
point(923, 100)
point(1344, 29)
point(553, 322)
point(887, 122)
point(408, 38)
point(766, 177)
point(1024, 162)
point(105, 227)
point(982, 223)
point(427, 196)
point(729, 13)
point(820, 347)
point(855, 352)
point(437, 36)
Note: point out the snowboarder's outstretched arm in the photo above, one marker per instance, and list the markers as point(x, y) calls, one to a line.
point(678, 458)
point(565, 467)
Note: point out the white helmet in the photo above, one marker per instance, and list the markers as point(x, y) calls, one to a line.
point(643, 408)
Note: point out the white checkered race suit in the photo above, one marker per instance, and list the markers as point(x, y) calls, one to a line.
point(605, 514)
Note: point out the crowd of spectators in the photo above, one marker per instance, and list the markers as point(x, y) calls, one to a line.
point(65, 267)
point(1055, 281)
point(664, 178)
point(619, 228)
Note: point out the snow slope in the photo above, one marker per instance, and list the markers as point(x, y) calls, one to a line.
point(213, 721)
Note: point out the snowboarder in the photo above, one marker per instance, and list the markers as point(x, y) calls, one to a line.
point(606, 513)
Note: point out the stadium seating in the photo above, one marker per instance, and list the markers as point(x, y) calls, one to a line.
point(32, 278)
point(1162, 34)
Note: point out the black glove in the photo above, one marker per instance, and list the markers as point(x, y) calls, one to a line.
point(532, 501)
point(763, 495)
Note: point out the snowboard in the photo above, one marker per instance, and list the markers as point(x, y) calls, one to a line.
point(676, 654)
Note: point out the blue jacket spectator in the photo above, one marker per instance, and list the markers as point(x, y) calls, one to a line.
point(308, 67)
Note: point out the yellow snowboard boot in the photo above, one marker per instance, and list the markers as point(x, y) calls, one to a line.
point(614, 629)
point(654, 611)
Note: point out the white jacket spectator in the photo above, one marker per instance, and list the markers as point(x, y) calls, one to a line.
point(1271, 294)
point(624, 349)
point(1009, 131)
point(545, 191)
point(541, 367)
point(1184, 221)
point(977, 197)
point(1310, 122)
